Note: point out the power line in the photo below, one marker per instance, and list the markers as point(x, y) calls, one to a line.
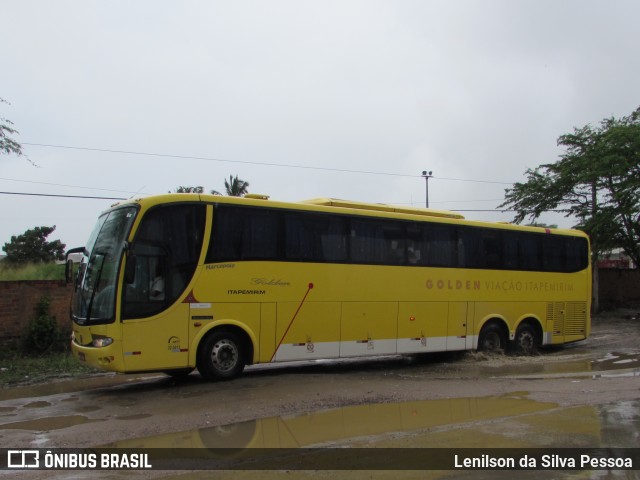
point(65, 185)
point(264, 164)
point(450, 201)
point(138, 192)
point(120, 198)
point(212, 159)
point(60, 196)
point(500, 210)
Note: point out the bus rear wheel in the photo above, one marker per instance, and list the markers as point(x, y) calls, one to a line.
point(492, 339)
point(526, 340)
point(221, 356)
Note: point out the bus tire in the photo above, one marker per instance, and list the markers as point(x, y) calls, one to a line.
point(221, 356)
point(492, 339)
point(526, 340)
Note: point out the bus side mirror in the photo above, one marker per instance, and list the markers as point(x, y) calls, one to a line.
point(68, 269)
point(130, 269)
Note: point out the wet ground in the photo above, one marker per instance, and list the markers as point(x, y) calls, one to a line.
point(581, 395)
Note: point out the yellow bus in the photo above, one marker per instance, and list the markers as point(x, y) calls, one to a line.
point(181, 281)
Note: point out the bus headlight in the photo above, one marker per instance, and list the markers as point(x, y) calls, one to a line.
point(102, 341)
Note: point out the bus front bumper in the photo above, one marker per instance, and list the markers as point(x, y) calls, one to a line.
point(104, 357)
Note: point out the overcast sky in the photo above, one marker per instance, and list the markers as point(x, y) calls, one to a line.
point(300, 98)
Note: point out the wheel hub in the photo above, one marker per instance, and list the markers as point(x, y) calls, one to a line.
point(224, 355)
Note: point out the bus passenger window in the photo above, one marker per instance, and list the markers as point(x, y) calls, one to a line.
point(441, 245)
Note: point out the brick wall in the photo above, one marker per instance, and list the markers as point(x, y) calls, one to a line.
point(619, 286)
point(18, 300)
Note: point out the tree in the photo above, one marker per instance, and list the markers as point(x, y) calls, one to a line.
point(235, 187)
point(596, 181)
point(541, 225)
point(7, 144)
point(32, 247)
point(189, 190)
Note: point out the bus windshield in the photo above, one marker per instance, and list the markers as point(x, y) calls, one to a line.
point(95, 291)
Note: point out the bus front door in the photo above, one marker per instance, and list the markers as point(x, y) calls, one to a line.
point(155, 324)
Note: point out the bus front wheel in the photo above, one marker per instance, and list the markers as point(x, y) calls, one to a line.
point(526, 340)
point(492, 339)
point(221, 356)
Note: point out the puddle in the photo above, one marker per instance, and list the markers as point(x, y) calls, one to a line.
point(510, 421)
point(345, 424)
point(70, 399)
point(137, 416)
point(69, 386)
point(612, 364)
point(614, 361)
point(87, 408)
point(46, 424)
point(621, 424)
point(40, 404)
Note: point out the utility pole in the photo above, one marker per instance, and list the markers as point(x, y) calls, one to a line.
point(427, 176)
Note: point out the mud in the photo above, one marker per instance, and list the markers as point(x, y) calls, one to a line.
point(585, 394)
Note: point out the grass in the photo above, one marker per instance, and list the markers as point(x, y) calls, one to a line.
point(19, 369)
point(33, 271)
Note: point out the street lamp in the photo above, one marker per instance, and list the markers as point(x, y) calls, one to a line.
point(427, 176)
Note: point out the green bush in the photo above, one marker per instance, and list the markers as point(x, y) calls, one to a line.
point(42, 333)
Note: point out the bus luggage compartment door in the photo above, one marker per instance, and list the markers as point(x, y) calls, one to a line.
point(368, 328)
point(422, 327)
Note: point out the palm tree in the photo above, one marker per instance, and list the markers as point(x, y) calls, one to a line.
point(235, 187)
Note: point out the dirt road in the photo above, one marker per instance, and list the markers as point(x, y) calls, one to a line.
point(586, 394)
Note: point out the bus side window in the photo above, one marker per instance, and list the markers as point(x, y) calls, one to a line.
point(243, 233)
point(367, 242)
point(575, 249)
point(553, 253)
point(260, 230)
point(415, 245)
point(314, 238)
point(491, 242)
point(395, 242)
point(441, 244)
point(510, 250)
point(333, 240)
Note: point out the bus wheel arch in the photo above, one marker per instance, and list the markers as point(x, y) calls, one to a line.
point(493, 336)
point(528, 337)
point(223, 353)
